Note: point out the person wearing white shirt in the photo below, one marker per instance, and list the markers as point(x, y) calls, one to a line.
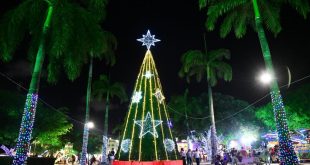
point(197, 156)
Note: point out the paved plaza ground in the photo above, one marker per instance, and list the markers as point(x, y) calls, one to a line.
point(208, 163)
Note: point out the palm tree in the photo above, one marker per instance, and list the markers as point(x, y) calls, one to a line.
point(110, 59)
point(238, 15)
point(207, 64)
point(68, 35)
point(104, 49)
point(104, 87)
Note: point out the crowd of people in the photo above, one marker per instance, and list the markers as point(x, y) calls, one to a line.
point(233, 156)
point(192, 156)
point(111, 157)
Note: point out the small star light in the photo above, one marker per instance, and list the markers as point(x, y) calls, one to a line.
point(148, 40)
point(160, 97)
point(137, 97)
point(147, 124)
point(148, 74)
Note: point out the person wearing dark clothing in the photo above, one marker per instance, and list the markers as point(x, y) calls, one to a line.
point(92, 160)
point(189, 157)
point(234, 156)
point(111, 156)
point(183, 156)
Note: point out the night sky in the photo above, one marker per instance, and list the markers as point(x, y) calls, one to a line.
point(180, 27)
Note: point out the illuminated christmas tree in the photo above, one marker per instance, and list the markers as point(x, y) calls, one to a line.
point(147, 132)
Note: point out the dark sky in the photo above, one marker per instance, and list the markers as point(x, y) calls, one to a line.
point(180, 27)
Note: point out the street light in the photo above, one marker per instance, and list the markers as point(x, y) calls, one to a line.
point(90, 125)
point(265, 77)
point(247, 139)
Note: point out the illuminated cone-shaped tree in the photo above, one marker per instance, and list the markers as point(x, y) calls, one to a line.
point(147, 135)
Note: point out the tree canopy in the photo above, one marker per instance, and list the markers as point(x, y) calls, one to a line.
point(48, 130)
point(232, 115)
point(297, 103)
point(208, 64)
point(74, 33)
point(236, 15)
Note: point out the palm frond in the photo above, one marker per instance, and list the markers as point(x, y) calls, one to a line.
point(97, 8)
point(191, 58)
point(223, 70)
point(271, 16)
point(108, 46)
point(103, 86)
point(227, 24)
point(219, 54)
point(241, 24)
point(53, 70)
point(118, 90)
point(13, 30)
point(195, 63)
point(220, 8)
point(301, 6)
point(212, 77)
point(204, 3)
point(73, 64)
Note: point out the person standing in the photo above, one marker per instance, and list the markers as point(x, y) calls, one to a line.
point(189, 157)
point(266, 155)
point(233, 153)
point(111, 156)
point(92, 160)
point(197, 156)
point(183, 156)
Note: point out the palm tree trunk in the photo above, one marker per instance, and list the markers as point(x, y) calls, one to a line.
point(105, 131)
point(287, 153)
point(186, 118)
point(24, 137)
point(213, 130)
point(86, 128)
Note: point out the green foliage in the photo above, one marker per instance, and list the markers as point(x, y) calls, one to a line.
point(209, 64)
point(104, 86)
point(224, 107)
point(94, 143)
point(94, 140)
point(182, 105)
point(232, 116)
point(74, 35)
point(72, 47)
point(96, 7)
point(297, 110)
point(238, 14)
point(49, 127)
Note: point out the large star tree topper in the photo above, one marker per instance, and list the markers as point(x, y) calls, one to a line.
point(148, 40)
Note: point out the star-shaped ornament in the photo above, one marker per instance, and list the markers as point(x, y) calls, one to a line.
point(148, 40)
point(160, 97)
point(137, 97)
point(148, 74)
point(148, 125)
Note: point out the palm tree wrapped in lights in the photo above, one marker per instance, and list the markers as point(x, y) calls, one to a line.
point(64, 31)
point(238, 15)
